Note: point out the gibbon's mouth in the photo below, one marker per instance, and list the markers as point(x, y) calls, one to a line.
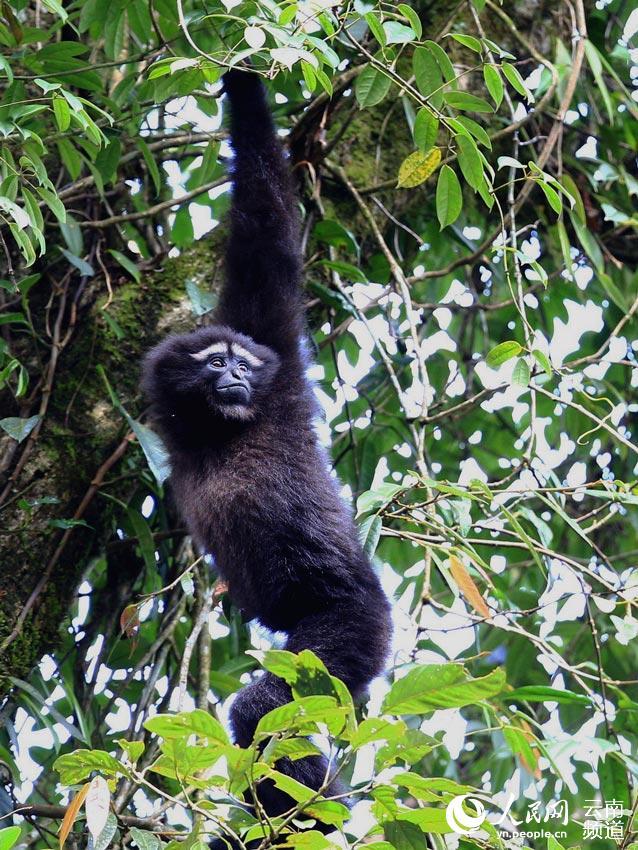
point(234, 390)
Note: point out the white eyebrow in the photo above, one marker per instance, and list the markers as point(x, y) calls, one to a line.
point(240, 351)
point(215, 348)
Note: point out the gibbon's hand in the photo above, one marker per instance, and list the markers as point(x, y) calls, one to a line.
point(219, 589)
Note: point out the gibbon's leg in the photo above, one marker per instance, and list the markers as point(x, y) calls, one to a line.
point(352, 645)
point(250, 705)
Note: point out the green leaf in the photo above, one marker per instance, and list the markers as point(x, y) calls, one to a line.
point(85, 269)
point(371, 87)
point(470, 161)
point(521, 374)
point(291, 748)
point(416, 168)
point(613, 291)
point(494, 84)
point(403, 835)
point(515, 80)
point(428, 76)
point(369, 533)
point(410, 748)
point(468, 41)
point(375, 28)
point(519, 745)
point(17, 428)
point(303, 715)
point(351, 273)
point(327, 811)
point(449, 198)
point(185, 723)
point(57, 8)
point(310, 78)
point(6, 67)
point(68, 523)
point(552, 196)
point(463, 123)
point(62, 113)
point(8, 837)
point(133, 749)
point(572, 190)
point(540, 693)
point(397, 33)
point(77, 766)
point(427, 788)
point(114, 30)
point(53, 202)
point(73, 236)
point(126, 264)
point(202, 300)
point(468, 102)
point(612, 774)
point(151, 164)
point(13, 319)
point(377, 498)
point(595, 63)
point(589, 243)
point(376, 729)
point(409, 13)
point(334, 233)
point(105, 837)
point(443, 61)
point(426, 129)
point(156, 453)
point(503, 352)
point(70, 158)
point(429, 687)
point(543, 361)
point(182, 231)
point(324, 79)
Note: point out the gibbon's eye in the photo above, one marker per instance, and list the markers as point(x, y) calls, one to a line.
point(217, 362)
point(243, 367)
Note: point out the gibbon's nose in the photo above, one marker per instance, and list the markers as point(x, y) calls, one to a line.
point(238, 373)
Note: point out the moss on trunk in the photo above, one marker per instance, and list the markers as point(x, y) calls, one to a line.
point(80, 432)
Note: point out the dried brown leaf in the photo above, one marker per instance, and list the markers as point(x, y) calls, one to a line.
point(467, 586)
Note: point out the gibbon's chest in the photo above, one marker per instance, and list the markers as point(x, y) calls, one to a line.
point(232, 498)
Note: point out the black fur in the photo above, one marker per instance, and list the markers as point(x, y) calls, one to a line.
point(252, 482)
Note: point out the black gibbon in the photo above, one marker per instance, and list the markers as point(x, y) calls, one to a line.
point(236, 410)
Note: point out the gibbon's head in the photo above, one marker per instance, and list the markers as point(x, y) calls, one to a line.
point(210, 371)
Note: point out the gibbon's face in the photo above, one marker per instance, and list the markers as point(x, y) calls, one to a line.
point(214, 370)
point(231, 371)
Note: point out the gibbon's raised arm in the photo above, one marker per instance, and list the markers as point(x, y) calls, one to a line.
point(261, 296)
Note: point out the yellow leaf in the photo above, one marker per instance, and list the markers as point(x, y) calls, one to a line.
point(71, 814)
point(468, 588)
point(532, 768)
point(416, 168)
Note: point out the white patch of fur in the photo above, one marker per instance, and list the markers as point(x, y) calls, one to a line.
point(240, 351)
point(215, 348)
point(237, 411)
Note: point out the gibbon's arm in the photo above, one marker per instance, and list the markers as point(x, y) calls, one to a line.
point(261, 296)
